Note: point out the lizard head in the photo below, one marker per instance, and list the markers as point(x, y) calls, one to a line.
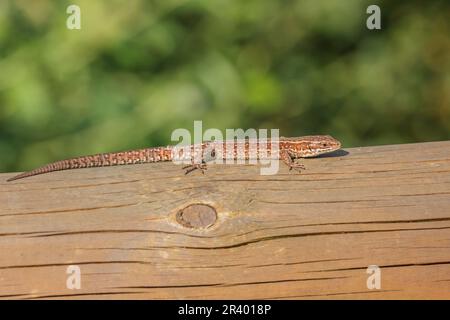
point(312, 146)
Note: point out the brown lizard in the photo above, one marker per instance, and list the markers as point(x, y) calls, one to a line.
point(287, 150)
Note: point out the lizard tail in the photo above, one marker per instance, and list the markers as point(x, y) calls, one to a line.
point(47, 168)
point(102, 160)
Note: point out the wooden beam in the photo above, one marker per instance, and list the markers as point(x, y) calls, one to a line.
point(138, 232)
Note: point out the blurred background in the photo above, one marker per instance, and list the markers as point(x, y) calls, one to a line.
point(139, 69)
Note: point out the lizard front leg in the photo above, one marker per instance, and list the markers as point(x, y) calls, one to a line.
point(287, 159)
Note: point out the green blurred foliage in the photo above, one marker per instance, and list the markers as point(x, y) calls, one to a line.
point(139, 69)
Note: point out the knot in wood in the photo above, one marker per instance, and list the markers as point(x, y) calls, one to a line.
point(197, 216)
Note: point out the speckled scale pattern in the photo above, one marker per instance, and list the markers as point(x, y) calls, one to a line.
point(285, 149)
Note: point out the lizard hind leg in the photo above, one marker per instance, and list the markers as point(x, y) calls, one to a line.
point(195, 166)
point(208, 154)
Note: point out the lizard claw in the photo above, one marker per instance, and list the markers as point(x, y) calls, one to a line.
point(193, 167)
point(297, 166)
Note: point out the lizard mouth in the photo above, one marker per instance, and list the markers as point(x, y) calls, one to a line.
point(323, 148)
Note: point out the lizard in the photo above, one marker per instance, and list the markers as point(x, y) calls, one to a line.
point(287, 149)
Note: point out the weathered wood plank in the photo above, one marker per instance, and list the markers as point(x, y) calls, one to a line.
point(309, 235)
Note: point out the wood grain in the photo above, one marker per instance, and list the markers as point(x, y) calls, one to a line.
point(285, 236)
